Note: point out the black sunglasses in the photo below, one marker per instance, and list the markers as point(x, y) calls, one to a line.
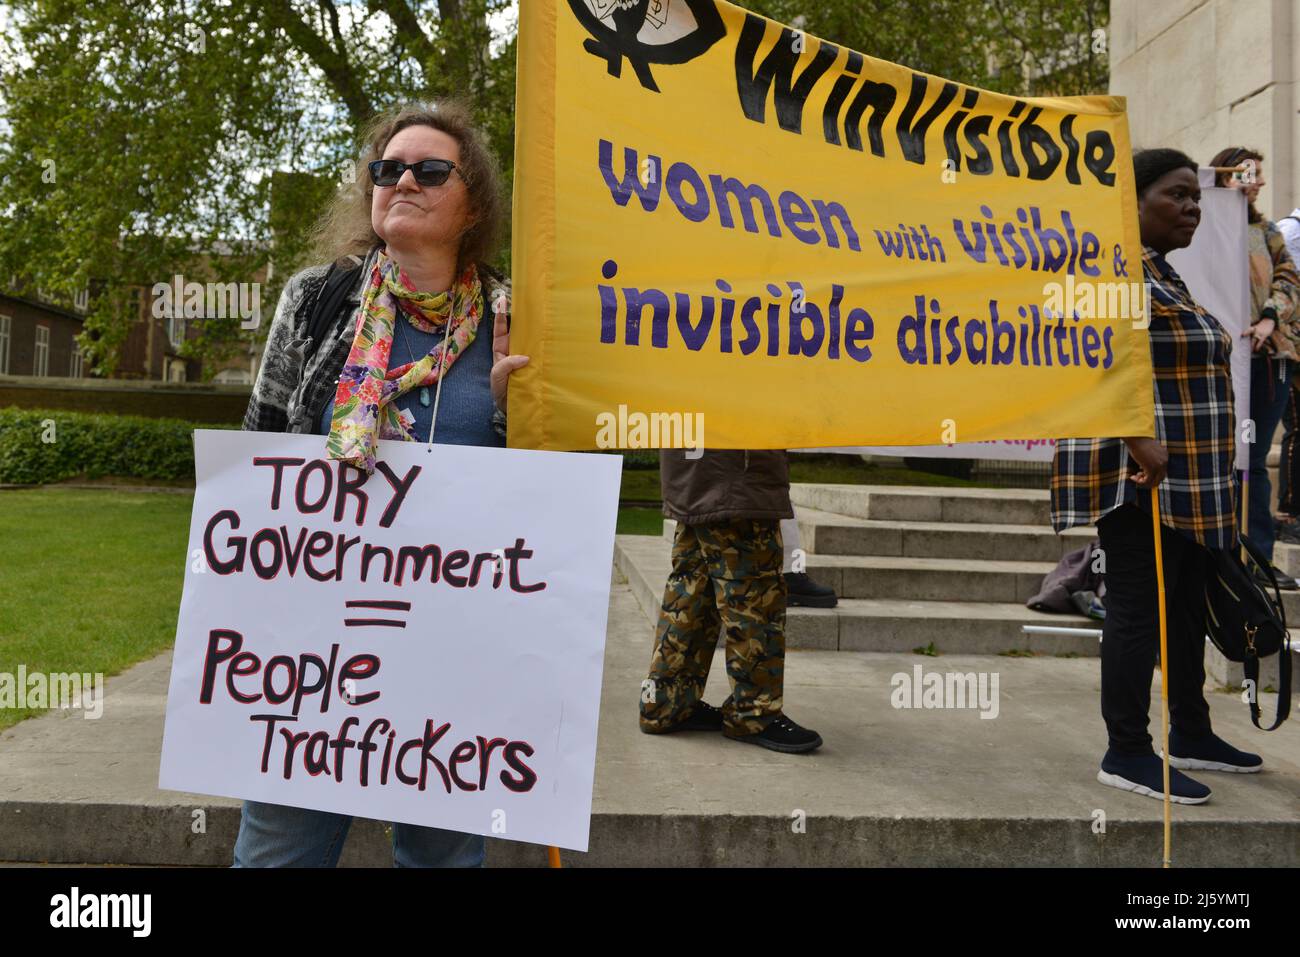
point(430, 172)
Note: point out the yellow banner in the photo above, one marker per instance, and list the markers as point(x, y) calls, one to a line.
point(727, 224)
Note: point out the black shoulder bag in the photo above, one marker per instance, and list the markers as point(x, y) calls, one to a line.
point(1246, 623)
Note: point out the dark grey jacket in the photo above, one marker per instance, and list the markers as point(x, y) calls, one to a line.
point(725, 484)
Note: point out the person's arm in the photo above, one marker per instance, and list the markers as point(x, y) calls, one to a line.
point(1290, 230)
point(1284, 294)
point(281, 368)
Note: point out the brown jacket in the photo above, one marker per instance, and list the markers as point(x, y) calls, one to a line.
point(725, 484)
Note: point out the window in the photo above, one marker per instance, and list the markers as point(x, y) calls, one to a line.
point(176, 330)
point(75, 365)
point(5, 323)
point(41, 363)
point(233, 377)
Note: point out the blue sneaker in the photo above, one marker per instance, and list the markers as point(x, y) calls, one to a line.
point(1144, 774)
point(1210, 753)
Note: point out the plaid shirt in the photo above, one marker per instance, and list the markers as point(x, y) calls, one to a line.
point(1194, 422)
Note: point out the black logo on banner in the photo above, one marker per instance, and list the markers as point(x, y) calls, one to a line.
point(648, 31)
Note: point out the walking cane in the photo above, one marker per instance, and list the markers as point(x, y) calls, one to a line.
point(1164, 661)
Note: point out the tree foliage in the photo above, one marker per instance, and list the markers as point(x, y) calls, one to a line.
point(1030, 47)
point(139, 136)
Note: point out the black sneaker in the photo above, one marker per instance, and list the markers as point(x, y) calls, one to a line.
point(782, 734)
point(702, 717)
point(807, 593)
point(1284, 581)
point(1144, 774)
point(1210, 753)
point(1287, 531)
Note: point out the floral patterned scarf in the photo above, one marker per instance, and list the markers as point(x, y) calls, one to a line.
point(364, 407)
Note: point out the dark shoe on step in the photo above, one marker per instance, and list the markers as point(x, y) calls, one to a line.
point(1144, 774)
point(1287, 531)
point(806, 593)
point(783, 735)
point(702, 717)
point(1284, 581)
point(1210, 753)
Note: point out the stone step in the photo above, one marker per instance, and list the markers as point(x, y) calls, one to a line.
point(920, 578)
point(1287, 558)
point(1291, 605)
point(928, 579)
point(882, 625)
point(916, 503)
point(828, 533)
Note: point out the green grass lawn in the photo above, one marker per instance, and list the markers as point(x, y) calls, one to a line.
point(90, 581)
point(633, 520)
point(851, 470)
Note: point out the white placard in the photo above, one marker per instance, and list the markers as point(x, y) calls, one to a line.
point(470, 701)
point(1216, 270)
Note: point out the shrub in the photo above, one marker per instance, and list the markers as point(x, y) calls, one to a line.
point(39, 446)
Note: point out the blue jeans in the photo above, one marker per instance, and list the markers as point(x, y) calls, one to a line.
point(1268, 399)
point(275, 835)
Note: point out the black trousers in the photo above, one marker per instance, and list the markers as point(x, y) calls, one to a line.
point(1130, 644)
point(1288, 471)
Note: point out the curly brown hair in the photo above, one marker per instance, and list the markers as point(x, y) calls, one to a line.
point(1235, 156)
point(345, 230)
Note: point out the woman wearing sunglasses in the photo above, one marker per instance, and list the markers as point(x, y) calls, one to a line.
point(422, 331)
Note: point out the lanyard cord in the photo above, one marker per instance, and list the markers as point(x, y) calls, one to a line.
point(442, 365)
point(442, 368)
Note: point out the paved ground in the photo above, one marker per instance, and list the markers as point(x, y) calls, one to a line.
point(891, 786)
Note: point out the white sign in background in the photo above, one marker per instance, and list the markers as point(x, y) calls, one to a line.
point(478, 710)
point(1217, 274)
point(998, 450)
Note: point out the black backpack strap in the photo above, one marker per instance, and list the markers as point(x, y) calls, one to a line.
point(333, 293)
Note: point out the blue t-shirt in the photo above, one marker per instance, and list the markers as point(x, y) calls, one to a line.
point(465, 409)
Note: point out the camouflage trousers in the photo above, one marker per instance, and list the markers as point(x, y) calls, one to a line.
point(726, 576)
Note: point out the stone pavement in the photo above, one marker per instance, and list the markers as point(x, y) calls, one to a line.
point(890, 787)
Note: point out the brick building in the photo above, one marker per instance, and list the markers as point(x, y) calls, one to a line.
point(152, 347)
point(38, 337)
